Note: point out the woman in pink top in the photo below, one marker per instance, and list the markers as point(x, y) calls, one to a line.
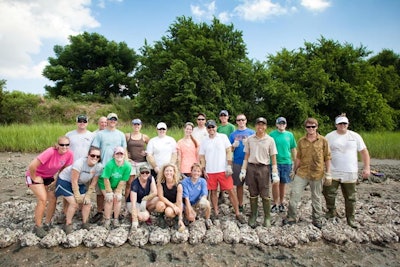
point(188, 150)
point(40, 175)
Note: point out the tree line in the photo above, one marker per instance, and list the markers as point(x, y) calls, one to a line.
point(200, 67)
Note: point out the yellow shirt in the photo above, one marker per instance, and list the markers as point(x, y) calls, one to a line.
point(312, 156)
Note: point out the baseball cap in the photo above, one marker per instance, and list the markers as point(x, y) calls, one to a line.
point(261, 119)
point(341, 119)
point(81, 118)
point(136, 121)
point(144, 168)
point(119, 149)
point(224, 112)
point(280, 120)
point(112, 115)
point(161, 125)
point(211, 123)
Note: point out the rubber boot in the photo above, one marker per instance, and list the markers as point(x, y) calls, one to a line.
point(267, 209)
point(254, 211)
point(349, 193)
point(330, 193)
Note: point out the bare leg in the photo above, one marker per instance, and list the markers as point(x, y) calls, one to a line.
point(275, 193)
point(234, 201)
point(41, 195)
point(51, 208)
point(214, 201)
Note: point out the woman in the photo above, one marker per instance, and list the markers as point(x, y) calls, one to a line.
point(71, 184)
point(188, 150)
point(143, 197)
point(40, 175)
point(112, 181)
point(195, 196)
point(136, 146)
point(169, 192)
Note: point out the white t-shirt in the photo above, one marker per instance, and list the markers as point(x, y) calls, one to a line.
point(161, 149)
point(214, 150)
point(344, 148)
point(199, 134)
point(80, 143)
point(86, 173)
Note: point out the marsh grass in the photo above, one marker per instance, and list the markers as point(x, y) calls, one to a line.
point(35, 138)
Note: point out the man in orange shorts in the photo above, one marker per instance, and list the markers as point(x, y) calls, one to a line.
point(216, 161)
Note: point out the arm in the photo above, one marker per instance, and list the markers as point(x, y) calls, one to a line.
point(75, 186)
point(32, 171)
point(173, 158)
point(133, 197)
point(366, 161)
point(179, 201)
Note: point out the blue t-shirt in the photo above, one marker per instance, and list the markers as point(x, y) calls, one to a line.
point(241, 135)
point(107, 140)
point(194, 191)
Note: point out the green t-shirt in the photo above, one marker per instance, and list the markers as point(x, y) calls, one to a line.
point(115, 173)
point(284, 142)
point(226, 129)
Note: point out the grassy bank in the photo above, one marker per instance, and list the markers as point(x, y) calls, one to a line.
point(35, 138)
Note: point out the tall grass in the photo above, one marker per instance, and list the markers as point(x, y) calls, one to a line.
point(35, 138)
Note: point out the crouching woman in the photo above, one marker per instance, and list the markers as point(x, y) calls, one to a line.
point(71, 184)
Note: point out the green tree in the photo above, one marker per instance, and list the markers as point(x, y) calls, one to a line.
point(91, 68)
point(197, 67)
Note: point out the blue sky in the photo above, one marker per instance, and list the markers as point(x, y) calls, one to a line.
point(30, 29)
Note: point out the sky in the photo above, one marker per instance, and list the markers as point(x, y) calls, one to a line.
point(30, 29)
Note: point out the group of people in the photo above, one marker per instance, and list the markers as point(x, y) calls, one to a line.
point(176, 180)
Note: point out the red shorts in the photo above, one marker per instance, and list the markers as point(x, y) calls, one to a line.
point(225, 183)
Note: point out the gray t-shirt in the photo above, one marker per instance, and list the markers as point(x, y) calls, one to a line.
point(86, 173)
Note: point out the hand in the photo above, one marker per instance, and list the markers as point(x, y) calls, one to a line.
point(134, 226)
point(235, 144)
point(86, 200)
point(52, 186)
point(242, 175)
point(79, 198)
point(228, 171)
point(292, 175)
point(275, 178)
point(328, 179)
point(143, 205)
point(118, 196)
point(109, 197)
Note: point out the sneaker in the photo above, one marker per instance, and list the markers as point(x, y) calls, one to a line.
point(274, 208)
point(47, 226)
point(86, 226)
point(116, 223)
point(68, 228)
point(208, 223)
point(241, 209)
point(39, 231)
point(241, 219)
point(282, 208)
point(288, 222)
point(107, 224)
point(97, 217)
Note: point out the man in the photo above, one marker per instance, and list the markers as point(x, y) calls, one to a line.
point(200, 131)
point(344, 145)
point(237, 139)
point(260, 152)
point(107, 140)
point(286, 146)
point(216, 161)
point(102, 124)
point(81, 138)
point(161, 149)
point(312, 164)
point(225, 127)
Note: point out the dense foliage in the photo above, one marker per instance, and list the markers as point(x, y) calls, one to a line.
point(199, 67)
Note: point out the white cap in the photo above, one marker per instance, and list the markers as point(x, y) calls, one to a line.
point(341, 119)
point(161, 125)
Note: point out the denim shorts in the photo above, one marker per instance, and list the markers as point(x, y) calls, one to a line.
point(284, 173)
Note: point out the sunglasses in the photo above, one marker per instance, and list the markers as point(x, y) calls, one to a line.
point(113, 119)
point(119, 153)
point(94, 156)
point(200, 119)
point(210, 127)
point(162, 129)
point(136, 124)
point(223, 115)
point(63, 144)
point(343, 123)
point(144, 172)
point(82, 121)
point(313, 126)
point(240, 119)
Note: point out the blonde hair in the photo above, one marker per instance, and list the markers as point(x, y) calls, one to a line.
point(161, 177)
point(311, 121)
point(59, 140)
point(341, 115)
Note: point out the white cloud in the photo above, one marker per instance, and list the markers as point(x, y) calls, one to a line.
point(259, 10)
point(26, 25)
point(316, 5)
point(224, 17)
point(203, 13)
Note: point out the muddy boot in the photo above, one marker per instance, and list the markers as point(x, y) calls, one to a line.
point(330, 193)
point(254, 211)
point(266, 207)
point(349, 193)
